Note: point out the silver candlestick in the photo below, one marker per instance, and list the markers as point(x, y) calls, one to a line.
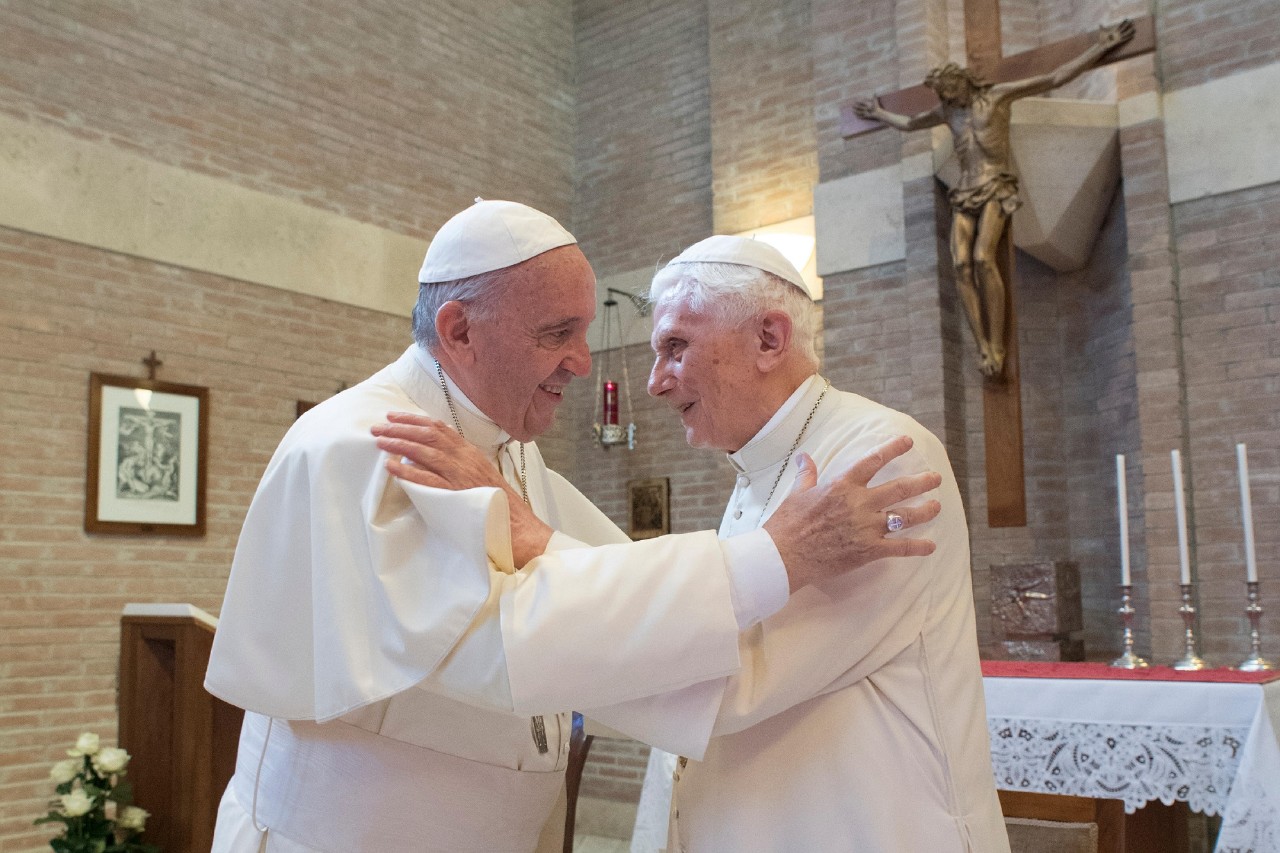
point(1128, 660)
point(1255, 662)
point(1190, 660)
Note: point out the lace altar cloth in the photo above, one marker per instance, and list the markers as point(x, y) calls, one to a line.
point(1092, 731)
point(1210, 744)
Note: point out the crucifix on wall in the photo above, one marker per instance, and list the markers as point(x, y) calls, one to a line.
point(976, 104)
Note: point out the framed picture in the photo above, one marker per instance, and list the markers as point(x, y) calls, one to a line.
point(146, 469)
point(649, 507)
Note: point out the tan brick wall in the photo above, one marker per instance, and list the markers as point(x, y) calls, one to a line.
point(1209, 39)
point(391, 113)
point(1230, 296)
point(763, 155)
point(642, 180)
point(854, 56)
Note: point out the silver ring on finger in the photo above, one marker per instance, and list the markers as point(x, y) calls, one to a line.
point(893, 522)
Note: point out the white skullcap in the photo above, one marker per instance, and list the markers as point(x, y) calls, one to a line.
point(745, 252)
point(488, 236)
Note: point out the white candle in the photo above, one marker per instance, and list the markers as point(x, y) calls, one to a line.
point(1246, 513)
point(1184, 555)
point(1122, 502)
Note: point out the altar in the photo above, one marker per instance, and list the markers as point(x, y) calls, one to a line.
point(1085, 729)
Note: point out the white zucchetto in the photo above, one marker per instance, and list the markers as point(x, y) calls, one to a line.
point(743, 251)
point(488, 236)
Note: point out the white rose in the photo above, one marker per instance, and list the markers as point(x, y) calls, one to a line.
point(76, 803)
point(65, 771)
point(87, 744)
point(132, 817)
point(110, 760)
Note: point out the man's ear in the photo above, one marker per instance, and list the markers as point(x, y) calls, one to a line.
point(453, 330)
point(773, 336)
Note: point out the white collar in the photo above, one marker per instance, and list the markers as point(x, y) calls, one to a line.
point(775, 438)
point(477, 427)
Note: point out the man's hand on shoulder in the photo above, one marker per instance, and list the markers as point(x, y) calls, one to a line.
point(429, 452)
point(823, 530)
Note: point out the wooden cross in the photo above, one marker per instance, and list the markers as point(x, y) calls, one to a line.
point(152, 364)
point(1001, 395)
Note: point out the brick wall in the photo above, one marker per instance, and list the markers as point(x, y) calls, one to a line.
point(642, 180)
point(1099, 421)
point(854, 55)
point(1228, 258)
point(1210, 39)
point(387, 112)
point(763, 157)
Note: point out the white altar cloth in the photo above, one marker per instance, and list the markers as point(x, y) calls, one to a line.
point(1211, 745)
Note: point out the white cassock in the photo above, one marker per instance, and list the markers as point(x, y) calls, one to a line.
point(857, 722)
point(390, 659)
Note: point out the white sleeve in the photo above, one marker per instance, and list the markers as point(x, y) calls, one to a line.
point(757, 578)
point(758, 583)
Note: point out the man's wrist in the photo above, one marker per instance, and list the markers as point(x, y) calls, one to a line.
point(758, 581)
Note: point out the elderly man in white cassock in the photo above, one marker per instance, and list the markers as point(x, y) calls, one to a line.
point(405, 653)
point(857, 719)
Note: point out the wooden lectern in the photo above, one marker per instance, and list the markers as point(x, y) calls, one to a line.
point(182, 740)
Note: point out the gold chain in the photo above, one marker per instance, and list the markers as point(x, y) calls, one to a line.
point(792, 451)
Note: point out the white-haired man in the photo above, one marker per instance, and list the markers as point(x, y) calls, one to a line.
point(402, 681)
point(857, 720)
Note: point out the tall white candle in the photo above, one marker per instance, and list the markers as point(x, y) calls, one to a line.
point(1246, 513)
point(1122, 502)
point(1184, 553)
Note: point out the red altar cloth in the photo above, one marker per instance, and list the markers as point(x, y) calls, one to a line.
point(1047, 669)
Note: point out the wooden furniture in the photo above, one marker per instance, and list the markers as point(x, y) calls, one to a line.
point(182, 740)
point(1107, 815)
point(579, 747)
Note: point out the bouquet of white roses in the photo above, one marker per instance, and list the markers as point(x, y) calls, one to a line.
point(93, 802)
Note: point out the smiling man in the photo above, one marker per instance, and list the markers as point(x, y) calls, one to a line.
point(403, 682)
point(857, 721)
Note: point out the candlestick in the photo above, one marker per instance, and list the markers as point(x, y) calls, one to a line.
point(1246, 515)
point(1255, 662)
point(1190, 660)
point(1180, 507)
point(1128, 660)
point(1122, 504)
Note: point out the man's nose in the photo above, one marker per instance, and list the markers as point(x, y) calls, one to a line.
point(658, 379)
point(578, 362)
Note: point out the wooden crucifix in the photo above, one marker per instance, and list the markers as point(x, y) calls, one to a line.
point(976, 103)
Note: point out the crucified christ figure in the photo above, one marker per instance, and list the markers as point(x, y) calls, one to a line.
point(987, 193)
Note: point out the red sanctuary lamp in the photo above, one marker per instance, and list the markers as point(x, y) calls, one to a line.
point(609, 429)
point(610, 403)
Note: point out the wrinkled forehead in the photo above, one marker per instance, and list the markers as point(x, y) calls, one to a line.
point(559, 282)
point(674, 315)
